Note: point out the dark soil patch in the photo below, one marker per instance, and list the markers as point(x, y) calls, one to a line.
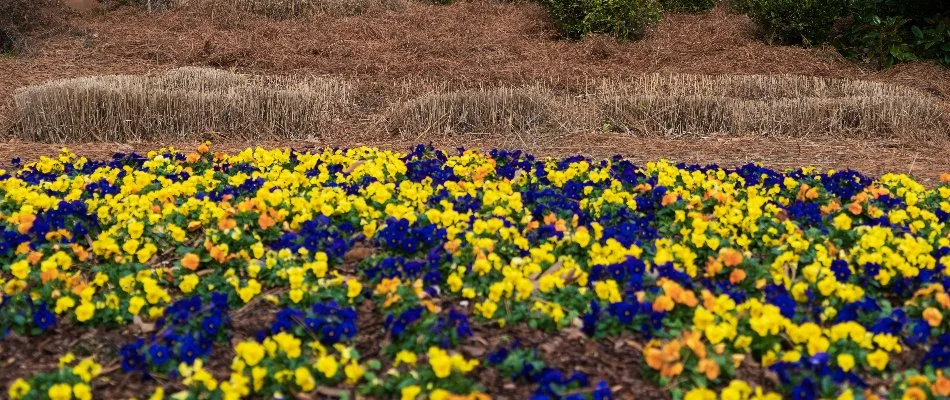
point(568, 351)
point(26, 356)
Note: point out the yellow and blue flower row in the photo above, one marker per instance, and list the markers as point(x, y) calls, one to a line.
point(821, 279)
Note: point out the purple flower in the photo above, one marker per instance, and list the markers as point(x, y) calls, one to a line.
point(43, 318)
point(623, 311)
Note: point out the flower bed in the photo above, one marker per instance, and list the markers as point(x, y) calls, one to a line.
point(381, 274)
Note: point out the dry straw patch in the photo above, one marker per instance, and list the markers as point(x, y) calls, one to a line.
point(698, 105)
point(288, 9)
point(179, 104)
point(524, 110)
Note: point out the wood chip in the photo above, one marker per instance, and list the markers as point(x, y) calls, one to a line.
point(144, 327)
point(634, 344)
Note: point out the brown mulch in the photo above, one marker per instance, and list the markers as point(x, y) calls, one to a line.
point(44, 352)
point(568, 351)
point(469, 43)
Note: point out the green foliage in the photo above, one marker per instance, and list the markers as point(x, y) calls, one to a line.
point(933, 42)
point(917, 11)
point(807, 22)
point(887, 32)
point(624, 19)
point(688, 5)
point(877, 41)
point(881, 32)
point(740, 6)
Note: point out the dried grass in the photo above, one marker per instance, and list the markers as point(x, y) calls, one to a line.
point(531, 110)
point(289, 9)
point(179, 104)
point(698, 105)
point(677, 106)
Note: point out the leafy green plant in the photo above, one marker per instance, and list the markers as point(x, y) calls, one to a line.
point(807, 22)
point(877, 41)
point(933, 42)
point(624, 19)
point(70, 380)
point(688, 5)
point(740, 6)
point(885, 32)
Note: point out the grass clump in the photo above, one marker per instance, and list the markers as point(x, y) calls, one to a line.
point(696, 105)
point(496, 110)
point(178, 105)
point(289, 9)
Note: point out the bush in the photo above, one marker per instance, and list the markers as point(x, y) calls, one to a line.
point(624, 19)
point(808, 22)
point(887, 32)
point(883, 32)
point(688, 5)
point(17, 19)
point(933, 42)
point(740, 6)
point(916, 11)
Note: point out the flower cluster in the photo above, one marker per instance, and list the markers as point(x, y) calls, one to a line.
point(329, 321)
point(522, 364)
point(278, 364)
point(19, 313)
point(71, 380)
point(829, 284)
point(187, 332)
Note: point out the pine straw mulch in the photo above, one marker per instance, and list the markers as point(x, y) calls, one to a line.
point(466, 44)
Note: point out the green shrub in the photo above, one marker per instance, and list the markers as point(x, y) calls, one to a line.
point(882, 32)
point(740, 6)
point(933, 42)
point(916, 11)
point(688, 5)
point(879, 41)
point(624, 19)
point(887, 32)
point(808, 22)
